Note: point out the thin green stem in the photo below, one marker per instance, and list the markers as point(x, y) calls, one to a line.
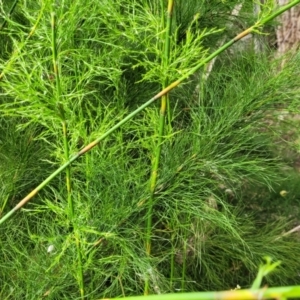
point(66, 147)
point(167, 56)
point(79, 268)
point(162, 10)
point(279, 12)
point(61, 112)
point(172, 261)
point(166, 98)
point(184, 255)
point(155, 165)
point(139, 109)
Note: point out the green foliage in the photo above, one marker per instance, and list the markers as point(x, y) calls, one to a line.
point(216, 148)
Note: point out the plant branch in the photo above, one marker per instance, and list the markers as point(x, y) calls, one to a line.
point(155, 166)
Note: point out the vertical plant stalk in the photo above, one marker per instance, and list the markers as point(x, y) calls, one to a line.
point(155, 165)
point(165, 101)
point(184, 256)
point(62, 115)
point(172, 261)
point(166, 58)
point(79, 267)
point(170, 87)
point(61, 112)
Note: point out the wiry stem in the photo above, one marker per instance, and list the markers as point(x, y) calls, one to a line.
point(167, 57)
point(66, 148)
point(155, 166)
point(184, 257)
point(79, 267)
point(61, 112)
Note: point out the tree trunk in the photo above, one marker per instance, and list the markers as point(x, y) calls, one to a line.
point(288, 32)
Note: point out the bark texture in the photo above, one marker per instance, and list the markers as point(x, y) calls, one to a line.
point(288, 32)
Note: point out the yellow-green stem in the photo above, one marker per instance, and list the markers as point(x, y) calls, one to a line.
point(155, 165)
point(62, 115)
point(172, 263)
point(80, 270)
point(167, 56)
point(61, 112)
point(166, 98)
point(184, 254)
